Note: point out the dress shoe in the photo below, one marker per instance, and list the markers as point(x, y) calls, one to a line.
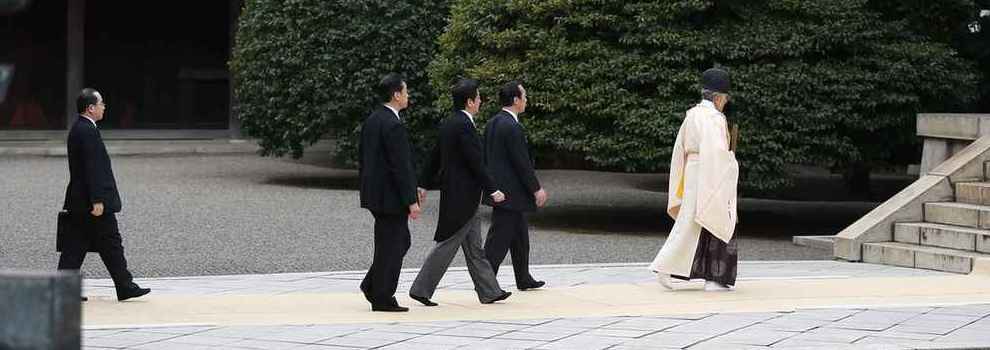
point(533, 285)
point(389, 308)
point(422, 300)
point(132, 292)
point(505, 295)
point(85, 299)
point(712, 286)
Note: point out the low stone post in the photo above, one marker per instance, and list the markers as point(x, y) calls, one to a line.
point(40, 310)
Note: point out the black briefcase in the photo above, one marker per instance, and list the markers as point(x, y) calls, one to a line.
point(64, 230)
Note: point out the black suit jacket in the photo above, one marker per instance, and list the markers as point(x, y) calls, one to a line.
point(387, 175)
point(463, 179)
point(91, 177)
point(509, 162)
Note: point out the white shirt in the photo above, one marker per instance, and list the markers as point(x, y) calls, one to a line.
point(710, 104)
point(514, 116)
point(90, 120)
point(470, 117)
point(394, 111)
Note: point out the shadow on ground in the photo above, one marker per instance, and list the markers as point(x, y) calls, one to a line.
point(826, 220)
point(342, 182)
point(820, 208)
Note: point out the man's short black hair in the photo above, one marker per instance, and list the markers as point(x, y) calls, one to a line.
point(87, 97)
point(464, 90)
point(391, 84)
point(509, 92)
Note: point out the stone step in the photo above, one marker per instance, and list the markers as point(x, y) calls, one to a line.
point(916, 256)
point(945, 236)
point(818, 242)
point(958, 214)
point(973, 193)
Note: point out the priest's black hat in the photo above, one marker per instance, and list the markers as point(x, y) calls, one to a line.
point(716, 80)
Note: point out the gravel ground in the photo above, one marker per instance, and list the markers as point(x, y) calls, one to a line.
point(206, 215)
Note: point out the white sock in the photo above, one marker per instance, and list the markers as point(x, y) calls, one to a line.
point(664, 280)
point(712, 286)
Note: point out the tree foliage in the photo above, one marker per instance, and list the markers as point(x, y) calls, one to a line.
point(306, 69)
point(821, 82)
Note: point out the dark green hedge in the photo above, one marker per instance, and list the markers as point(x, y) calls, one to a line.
point(305, 69)
point(823, 82)
point(835, 83)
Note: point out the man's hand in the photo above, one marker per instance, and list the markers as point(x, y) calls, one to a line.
point(97, 209)
point(498, 196)
point(541, 198)
point(414, 211)
point(421, 192)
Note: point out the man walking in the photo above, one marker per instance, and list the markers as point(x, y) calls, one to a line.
point(509, 162)
point(388, 191)
point(464, 180)
point(92, 200)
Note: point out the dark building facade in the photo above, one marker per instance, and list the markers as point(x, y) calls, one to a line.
point(160, 65)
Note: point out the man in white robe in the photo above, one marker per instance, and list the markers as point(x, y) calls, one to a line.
point(702, 195)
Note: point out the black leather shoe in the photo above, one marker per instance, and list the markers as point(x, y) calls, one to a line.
point(389, 308)
point(85, 299)
point(534, 285)
point(132, 293)
point(505, 295)
point(422, 300)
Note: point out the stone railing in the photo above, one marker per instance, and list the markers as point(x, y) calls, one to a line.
point(946, 134)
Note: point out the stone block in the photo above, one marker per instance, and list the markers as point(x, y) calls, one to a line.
point(907, 233)
point(885, 253)
point(970, 192)
point(958, 214)
point(983, 244)
point(40, 310)
point(942, 261)
point(949, 237)
point(949, 126)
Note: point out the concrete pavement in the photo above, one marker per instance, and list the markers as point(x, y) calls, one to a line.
point(792, 304)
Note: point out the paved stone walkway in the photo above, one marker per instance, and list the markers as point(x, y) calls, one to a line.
point(935, 326)
point(903, 328)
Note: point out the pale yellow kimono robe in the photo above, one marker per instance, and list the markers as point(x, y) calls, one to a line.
point(702, 188)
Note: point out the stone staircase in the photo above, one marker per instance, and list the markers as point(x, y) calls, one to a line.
point(951, 236)
point(942, 220)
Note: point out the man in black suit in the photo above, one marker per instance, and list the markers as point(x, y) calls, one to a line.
point(92, 200)
point(463, 181)
point(509, 162)
point(388, 191)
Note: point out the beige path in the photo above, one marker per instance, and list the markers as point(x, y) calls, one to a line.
point(581, 301)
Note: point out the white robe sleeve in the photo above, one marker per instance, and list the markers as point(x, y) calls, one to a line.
point(717, 180)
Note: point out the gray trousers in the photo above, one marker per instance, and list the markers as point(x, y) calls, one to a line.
point(468, 238)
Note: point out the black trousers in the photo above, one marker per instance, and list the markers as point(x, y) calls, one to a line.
point(509, 233)
point(102, 234)
point(392, 241)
